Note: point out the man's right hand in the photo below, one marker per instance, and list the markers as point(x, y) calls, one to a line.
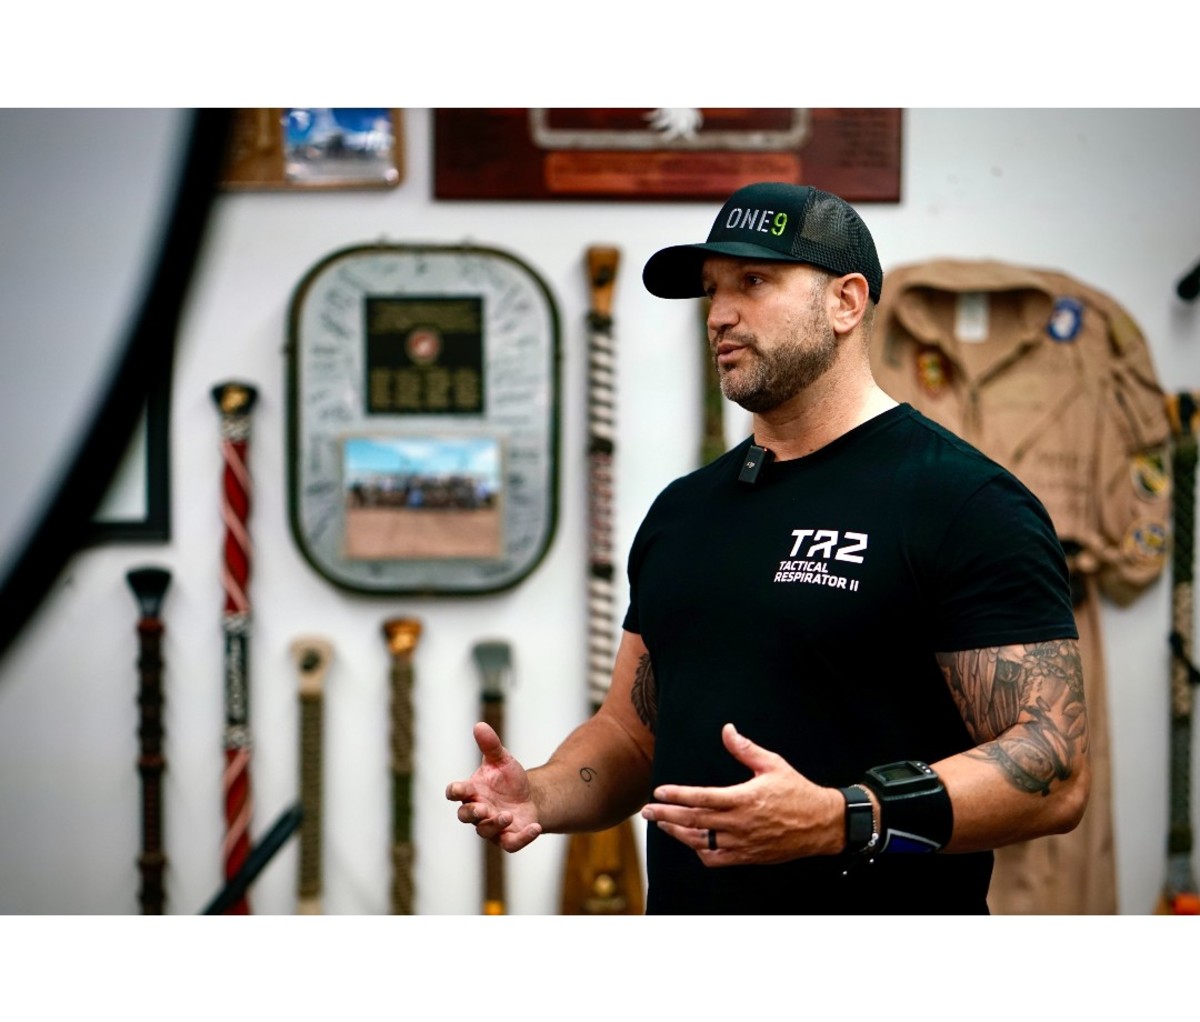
point(497, 799)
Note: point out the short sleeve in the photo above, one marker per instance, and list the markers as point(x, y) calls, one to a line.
point(1001, 576)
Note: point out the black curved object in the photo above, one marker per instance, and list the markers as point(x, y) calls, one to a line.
point(285, 825)
point(1188, 286)
point(148, 356)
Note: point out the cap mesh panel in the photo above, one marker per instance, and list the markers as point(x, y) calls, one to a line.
point(834, 238)
point(827, 231)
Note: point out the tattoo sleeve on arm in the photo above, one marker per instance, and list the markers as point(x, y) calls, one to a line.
point(644, 694)
point(1024, 704)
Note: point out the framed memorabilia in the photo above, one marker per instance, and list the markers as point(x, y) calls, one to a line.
point(314, 148)
point(693, 153)
point(423, 419)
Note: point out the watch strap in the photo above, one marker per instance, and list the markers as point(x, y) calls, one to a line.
point(860, 820)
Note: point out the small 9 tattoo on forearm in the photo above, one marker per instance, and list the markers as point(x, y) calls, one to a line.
point(644, 694)
point(587, 774)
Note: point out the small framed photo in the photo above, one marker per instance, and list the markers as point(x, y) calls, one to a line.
point(314, 148)
point(423, 497)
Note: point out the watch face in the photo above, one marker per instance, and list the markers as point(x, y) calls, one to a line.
point(905, 776)
point(423, 419)
point(899, 772)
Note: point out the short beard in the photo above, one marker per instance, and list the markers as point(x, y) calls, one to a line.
point(772, 378)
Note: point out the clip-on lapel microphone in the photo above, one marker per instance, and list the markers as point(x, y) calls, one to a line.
point(757, 459)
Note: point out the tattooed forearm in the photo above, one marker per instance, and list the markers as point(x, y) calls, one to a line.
point(644, 694)
point(1024, 705)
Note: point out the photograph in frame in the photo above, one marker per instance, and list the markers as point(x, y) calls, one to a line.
point(281, 148)
point(424, 497)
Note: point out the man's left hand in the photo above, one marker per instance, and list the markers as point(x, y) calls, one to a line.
point(777, 815)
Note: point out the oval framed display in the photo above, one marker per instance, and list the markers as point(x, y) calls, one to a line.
point(423, 419)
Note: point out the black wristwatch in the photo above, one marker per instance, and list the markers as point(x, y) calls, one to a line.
point(914, 808)
point(860, 820)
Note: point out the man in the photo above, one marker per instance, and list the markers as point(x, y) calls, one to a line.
point(848, 668)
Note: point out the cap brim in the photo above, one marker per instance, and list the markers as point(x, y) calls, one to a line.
point(675, 272)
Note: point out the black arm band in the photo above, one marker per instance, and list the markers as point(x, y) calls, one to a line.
point(915, 810)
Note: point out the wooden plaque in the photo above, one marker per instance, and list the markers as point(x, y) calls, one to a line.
point(663, 154)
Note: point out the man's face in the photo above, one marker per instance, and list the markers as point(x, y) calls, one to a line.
point(768, 329)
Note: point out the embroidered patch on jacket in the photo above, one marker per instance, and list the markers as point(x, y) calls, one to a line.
point(1145, 541)
point(933, 371)
point(1124, 333)
point(1066, 319)
point(1151, 480)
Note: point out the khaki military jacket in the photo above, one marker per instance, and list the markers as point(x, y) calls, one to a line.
point(1051, 378)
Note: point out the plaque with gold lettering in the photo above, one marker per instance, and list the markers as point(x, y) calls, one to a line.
point(423, 419)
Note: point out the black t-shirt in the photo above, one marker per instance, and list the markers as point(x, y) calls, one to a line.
point(806, 609)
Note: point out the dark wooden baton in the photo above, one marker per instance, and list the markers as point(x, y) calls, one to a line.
point(149, 586)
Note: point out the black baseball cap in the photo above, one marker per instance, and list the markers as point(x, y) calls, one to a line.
point(778, 222)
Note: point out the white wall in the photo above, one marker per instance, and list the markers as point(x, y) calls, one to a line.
point(1106, 195)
